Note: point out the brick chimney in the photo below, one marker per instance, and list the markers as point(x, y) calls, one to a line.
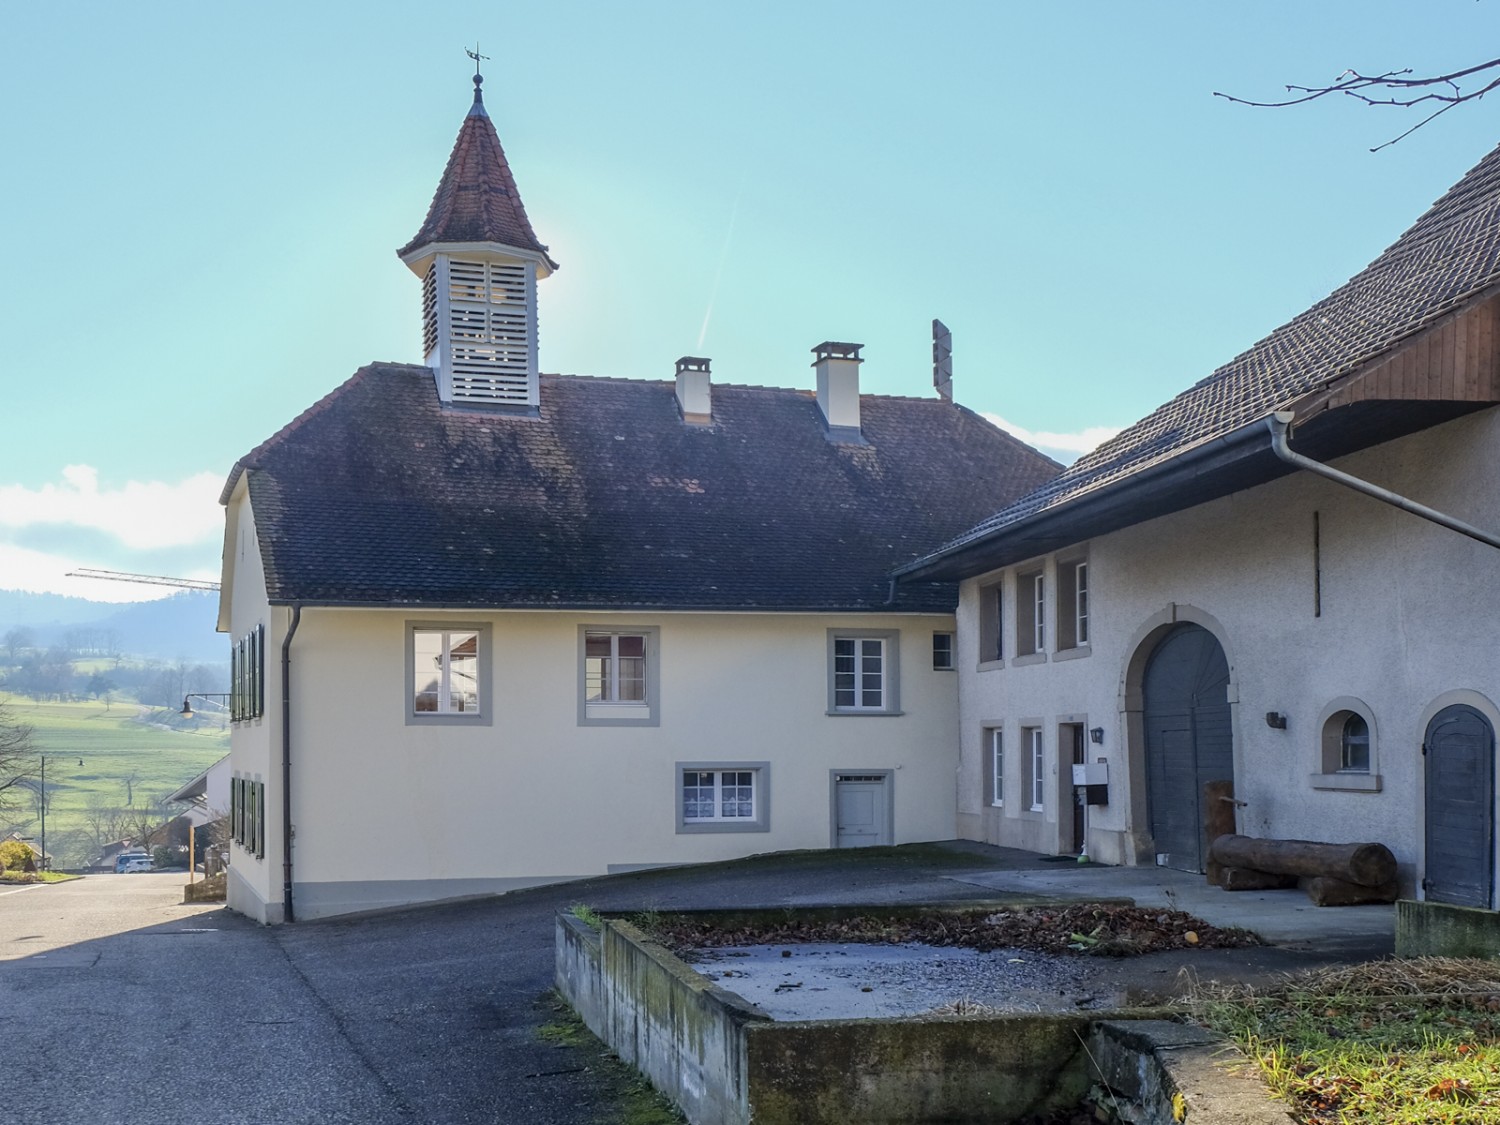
point(837, 367)
point(694, 398)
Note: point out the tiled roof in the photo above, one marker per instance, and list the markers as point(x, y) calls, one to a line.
point(1448, 258)
point(379, 494)
point(477, 200)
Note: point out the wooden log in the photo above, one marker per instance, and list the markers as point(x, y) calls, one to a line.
point(1327, 891)
point(1218, 820)
point(1244, 879)
point(1369, 865)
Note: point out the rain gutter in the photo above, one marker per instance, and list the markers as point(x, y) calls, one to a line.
point(286, 765)
point(1280, 425)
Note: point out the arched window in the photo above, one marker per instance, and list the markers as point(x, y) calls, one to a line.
point(1348, 754)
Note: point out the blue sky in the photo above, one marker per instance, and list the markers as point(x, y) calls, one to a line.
point(202, 204)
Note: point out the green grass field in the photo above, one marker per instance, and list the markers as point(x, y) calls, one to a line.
point(114, 746)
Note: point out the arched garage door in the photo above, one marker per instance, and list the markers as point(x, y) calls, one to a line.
point(1188, 740)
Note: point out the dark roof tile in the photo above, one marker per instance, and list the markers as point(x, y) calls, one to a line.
point(1448, 257)
point(379, 495)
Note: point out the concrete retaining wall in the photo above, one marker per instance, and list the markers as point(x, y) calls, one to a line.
point(953, 1069)
point(670, 1022)
point(726, 1062)
point(1155, 1062)
point(1436, 929)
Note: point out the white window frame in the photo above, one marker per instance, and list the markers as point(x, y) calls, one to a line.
point(890, 671)
point(1072, 624)
point(1032, 736)
point(943, 651)
point(616, 712)
point(1345, 744)
point(992, 642)
point(758, 821)
point(1031, 616)
point(1081, 603)
point(483, 712)
point(997, 766)
point(1039, 621)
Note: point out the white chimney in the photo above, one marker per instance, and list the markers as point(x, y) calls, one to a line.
point(694, 398)
point(837, 367)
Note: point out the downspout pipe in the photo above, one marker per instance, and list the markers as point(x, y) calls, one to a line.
point(288, 915)
point(1281, 428)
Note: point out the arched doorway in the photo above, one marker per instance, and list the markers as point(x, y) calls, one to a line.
point(1189, 740)
point(1459, 755)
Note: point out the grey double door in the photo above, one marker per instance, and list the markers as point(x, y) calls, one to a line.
point(1189, 740)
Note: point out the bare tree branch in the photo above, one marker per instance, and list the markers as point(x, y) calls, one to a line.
point(1400, 89)
point(15, 758)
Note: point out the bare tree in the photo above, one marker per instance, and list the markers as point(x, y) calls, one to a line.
point(1396, 88)
point(16, 759)
point(16, 639)
point(144, 823)
point(105, 821)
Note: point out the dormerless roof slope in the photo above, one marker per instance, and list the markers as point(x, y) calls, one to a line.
point(1449, 258)
point(380, 495)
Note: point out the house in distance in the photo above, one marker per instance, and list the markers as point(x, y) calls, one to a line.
point(561, 625)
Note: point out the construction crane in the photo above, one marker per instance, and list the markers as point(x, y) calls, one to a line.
point(146, 579)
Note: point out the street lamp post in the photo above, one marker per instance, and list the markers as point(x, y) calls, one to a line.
point(187, 707)
point(44, 812)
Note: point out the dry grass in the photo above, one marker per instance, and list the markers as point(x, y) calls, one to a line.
point(1382, 1043)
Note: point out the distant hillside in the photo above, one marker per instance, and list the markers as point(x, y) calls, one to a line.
point(180, 627)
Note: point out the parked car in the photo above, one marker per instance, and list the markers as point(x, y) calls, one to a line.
point(136, 866)
point(125, 859)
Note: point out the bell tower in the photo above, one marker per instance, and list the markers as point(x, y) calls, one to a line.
point(479, 261)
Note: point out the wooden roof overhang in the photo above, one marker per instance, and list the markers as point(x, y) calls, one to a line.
point(1449, 369)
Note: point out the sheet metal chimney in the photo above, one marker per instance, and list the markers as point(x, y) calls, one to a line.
point(694, 398)
point(837, 367)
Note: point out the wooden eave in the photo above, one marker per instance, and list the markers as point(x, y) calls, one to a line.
point(1456, 359)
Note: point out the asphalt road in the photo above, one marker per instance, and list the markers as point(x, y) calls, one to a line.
point(121, 1005)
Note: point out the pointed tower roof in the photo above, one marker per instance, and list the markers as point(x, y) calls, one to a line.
point(477, 199)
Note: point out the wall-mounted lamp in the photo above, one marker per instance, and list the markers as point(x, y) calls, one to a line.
point(1275, 720)
point(187, 708)
point(1096, 735)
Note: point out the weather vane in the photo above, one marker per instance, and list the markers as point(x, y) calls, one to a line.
point(476, 56)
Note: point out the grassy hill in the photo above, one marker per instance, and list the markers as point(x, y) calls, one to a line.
point(129, 755)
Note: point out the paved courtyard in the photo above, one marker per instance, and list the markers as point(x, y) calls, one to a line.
point(122, 1005)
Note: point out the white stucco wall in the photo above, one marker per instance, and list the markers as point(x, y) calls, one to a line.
point(254, 883)
point(387, 812)
point(1408, 615)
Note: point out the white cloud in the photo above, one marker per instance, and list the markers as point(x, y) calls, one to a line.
point(1065, 447)
point(141, 515)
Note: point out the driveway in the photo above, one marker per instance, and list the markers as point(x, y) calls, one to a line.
point(122, 1005)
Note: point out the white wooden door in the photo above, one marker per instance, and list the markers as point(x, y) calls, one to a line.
point(862, 807)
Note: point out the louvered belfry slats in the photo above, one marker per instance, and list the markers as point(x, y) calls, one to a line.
point(478, 327)
point(487, 322)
